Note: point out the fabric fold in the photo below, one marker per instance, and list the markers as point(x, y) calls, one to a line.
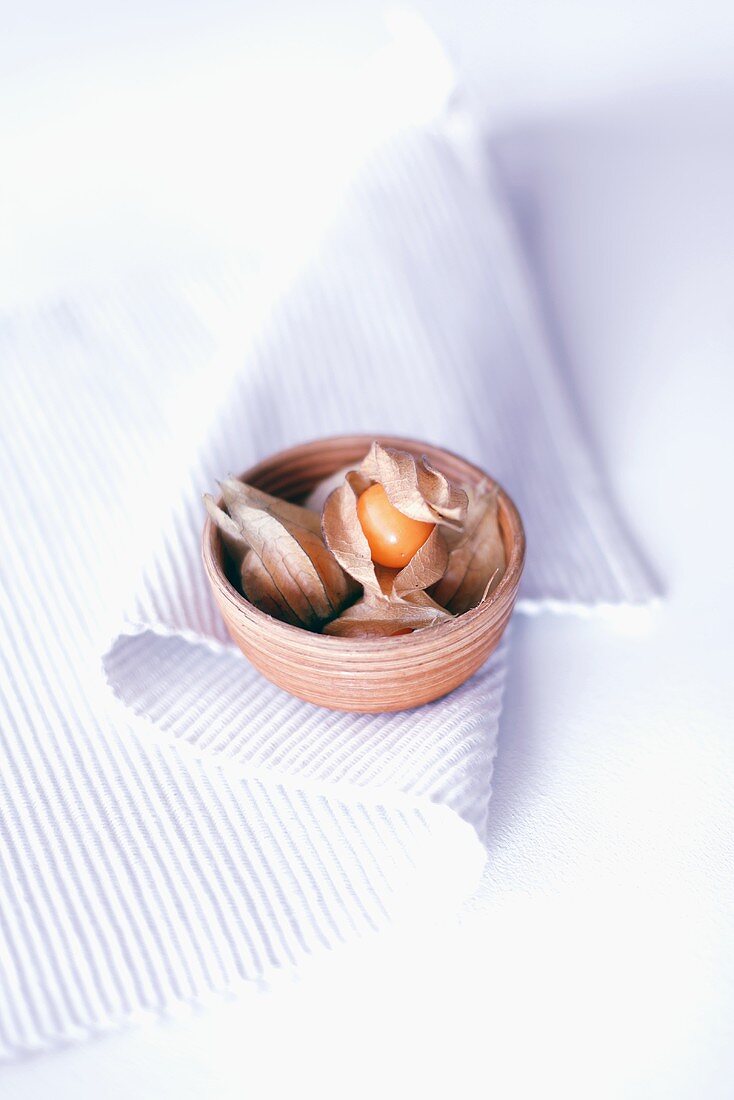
point(414, 317)
point(201, 827)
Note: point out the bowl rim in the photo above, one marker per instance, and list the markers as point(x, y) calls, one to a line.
point(509, 582)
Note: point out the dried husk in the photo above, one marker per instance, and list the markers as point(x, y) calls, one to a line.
point(237, 493)
point(285, 568)
point(385, 616)
point(476, 560)
point(427, 566)
point(394, 600)
point(307, 569)
point(343, 534)
point(258, 586)
point(414, 487)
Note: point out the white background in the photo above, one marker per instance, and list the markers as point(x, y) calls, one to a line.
point(596, 960)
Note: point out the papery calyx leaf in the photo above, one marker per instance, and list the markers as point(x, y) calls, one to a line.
point(285, 568)
point(394, 600)
point(476, 560)
point(414, 487)
point(385, 616)
point(343, 532)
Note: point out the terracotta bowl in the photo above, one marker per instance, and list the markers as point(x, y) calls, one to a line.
point(364, 674)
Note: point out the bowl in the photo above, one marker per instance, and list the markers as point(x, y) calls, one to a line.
point(364, 674)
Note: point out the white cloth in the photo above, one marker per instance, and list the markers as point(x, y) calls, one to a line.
point(219, 827)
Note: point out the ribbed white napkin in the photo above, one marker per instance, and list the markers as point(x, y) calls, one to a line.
point(217, 827)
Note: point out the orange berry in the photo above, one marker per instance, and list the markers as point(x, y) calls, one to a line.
point(393, 537)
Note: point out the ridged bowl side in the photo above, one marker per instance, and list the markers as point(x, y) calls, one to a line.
point(365, 674)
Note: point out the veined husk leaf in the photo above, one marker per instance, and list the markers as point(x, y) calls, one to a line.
point(237, 493)
point(393, 600)
point(382, 616)
point(427, 566)
point(285, 568)
point(343, 532)
point(414, 487)
point(476, 560)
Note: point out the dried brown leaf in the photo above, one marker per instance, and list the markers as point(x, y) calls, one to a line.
point(476, 560)
point(236, 493)
point(344, 536)
point(384, 616)
point(306, 584)
point(414, 487)
point(394, 600)
point(348, 543)
point(234, 543)
point(427, 566)
point(260, 589)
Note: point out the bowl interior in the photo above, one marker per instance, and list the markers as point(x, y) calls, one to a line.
point(293, 473)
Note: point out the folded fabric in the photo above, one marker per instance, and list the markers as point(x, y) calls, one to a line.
point(214, 827)
point(413, 318)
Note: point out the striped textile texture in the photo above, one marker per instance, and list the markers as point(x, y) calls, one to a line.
point(195, 826)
